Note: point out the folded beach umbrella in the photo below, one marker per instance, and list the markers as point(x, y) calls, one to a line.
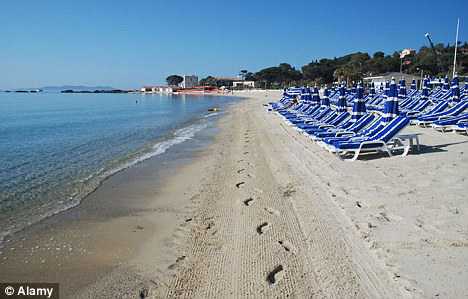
point(425, 85)
point(381, 88)
point(403, 84)
point(325, 99)
point(413, 84)
point(315, 96)
point(387, 87)
point(359, 106)
point(446, 83)
point(353, 88)
point(302, 94)
point(391, 104)
point(372, 90)
point(465, 92)
point(307, 96)
point(402, 93)
point(455, 90)
point(342, 100)
point(424, 93)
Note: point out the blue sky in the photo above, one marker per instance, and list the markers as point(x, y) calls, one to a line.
point(127, 44)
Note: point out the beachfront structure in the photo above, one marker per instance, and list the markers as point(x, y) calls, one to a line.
point(381, 79)
point(159, 89)
point(243, 83)
point(189, 81)
point(406, 52)
point(227, 82)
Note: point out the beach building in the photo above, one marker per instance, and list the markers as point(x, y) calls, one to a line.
point(243, 83)
point(159, 89)
point(189, 81)
point(234, 82)
point(406, 52)
point(381, 79)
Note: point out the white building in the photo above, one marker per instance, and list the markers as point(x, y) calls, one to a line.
point(407, 52)
point(189, 81)
point(158, 89)
point(250, 84)
point(381, 79)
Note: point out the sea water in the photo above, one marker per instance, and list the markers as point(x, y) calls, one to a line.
point(56, 148)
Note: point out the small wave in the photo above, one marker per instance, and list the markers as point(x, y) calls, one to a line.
point(159, 148)
point(211, 114)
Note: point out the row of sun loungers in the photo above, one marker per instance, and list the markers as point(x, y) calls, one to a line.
point(350, 134)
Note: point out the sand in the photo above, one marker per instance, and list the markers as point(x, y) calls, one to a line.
point(265, 213)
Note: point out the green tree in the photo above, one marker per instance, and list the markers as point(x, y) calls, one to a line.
point(174, 80)
point(279, 75)
point(379, 54)
point(210, 80)
point(242, 73)
point(249, 76)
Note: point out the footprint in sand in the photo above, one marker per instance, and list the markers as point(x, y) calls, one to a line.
point(262, 228)
point(276, 275)
point(288, 246)
point(245, 153)
point(238, 161)
point(177, 263)
point(248, 201)
point(252, 176)
point(240, 170)
point(238, 185)
point(272, 211)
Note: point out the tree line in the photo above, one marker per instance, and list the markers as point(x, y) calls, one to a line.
point(354, 67)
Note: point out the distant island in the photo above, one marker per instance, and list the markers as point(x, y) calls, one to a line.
point(97, 91)
point(66, 87)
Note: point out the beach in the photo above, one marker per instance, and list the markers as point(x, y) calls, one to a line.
point(259, 211)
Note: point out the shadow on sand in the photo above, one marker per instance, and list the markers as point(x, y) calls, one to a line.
point(424, 149)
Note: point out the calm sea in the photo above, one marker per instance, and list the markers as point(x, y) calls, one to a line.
point(56, 148)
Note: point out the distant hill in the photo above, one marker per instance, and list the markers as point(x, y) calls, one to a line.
point(72, 87)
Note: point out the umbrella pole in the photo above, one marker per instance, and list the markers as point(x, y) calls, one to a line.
point(456, 44)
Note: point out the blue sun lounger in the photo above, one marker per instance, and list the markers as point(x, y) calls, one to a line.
point(441, 106)
point(372, 129)
point(385, 140)
point(325, 125)
point(348, 130)
point(446, 124)
point(425, 121)
point(461, 127)
point(317, 117)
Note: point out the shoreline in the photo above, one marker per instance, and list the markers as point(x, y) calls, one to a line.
point(263, 212)
point(87, 185)
point(71, 238)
